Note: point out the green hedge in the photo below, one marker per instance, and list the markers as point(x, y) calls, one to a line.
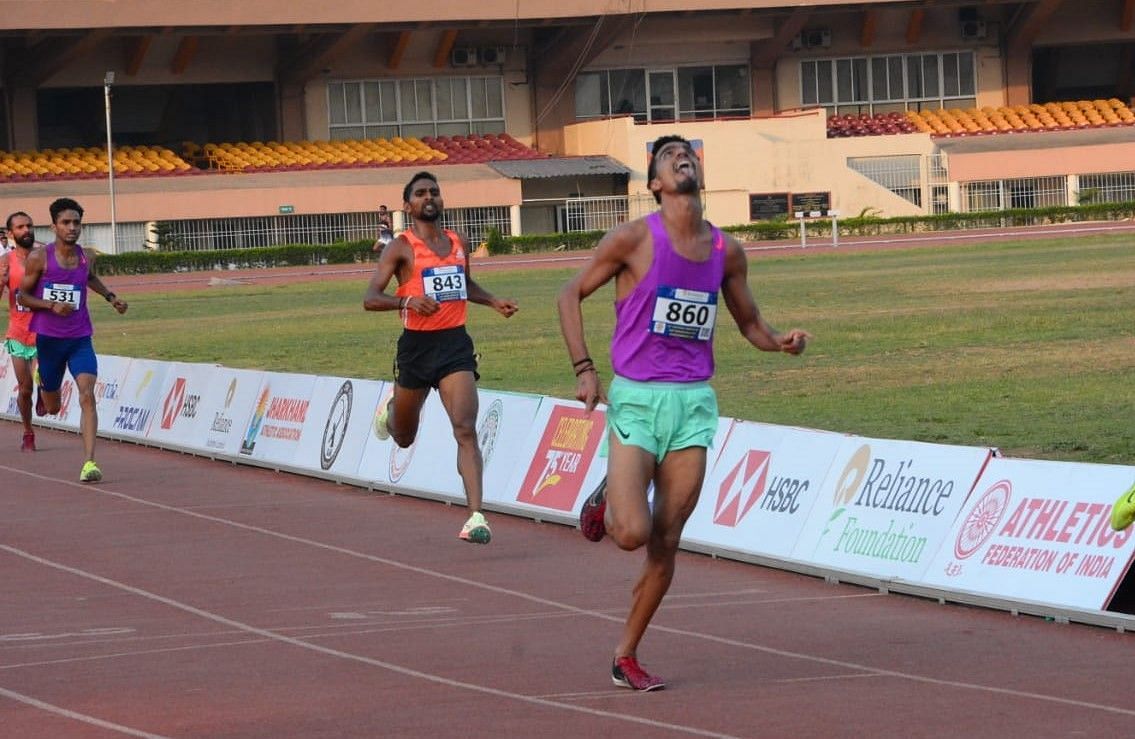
point(288, 255)
point(355, 252)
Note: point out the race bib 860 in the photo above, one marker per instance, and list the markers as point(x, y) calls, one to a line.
point(685, 314)
point(445, 283)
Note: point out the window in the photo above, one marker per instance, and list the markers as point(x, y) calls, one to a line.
point(442, 106)
point(884, 83)
point(704, 92)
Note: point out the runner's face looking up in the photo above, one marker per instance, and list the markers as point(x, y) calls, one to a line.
point(676, 169)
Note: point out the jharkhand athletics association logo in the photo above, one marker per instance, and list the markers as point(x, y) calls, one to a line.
point(741, 488)
point(982, 520)
point(490, 426)
point(335, 429)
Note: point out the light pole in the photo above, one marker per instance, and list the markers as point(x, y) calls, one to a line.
point(106, 83)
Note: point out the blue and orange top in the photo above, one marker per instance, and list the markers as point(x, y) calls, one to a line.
point(437, 277)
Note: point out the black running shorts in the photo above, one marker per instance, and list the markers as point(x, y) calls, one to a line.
point(425, 357)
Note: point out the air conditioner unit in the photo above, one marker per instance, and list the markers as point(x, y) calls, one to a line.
point(815, 39)
point(493, 54)
point(973, 30)
point(463, 56)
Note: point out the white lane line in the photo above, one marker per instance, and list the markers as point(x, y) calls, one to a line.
point(75, 716)
point(102, 489)
point(390, 666)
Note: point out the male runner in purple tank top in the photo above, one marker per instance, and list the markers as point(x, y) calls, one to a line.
point(56, 280)
point(662, 415)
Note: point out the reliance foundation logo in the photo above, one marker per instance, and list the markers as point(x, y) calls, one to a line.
point(872, 487)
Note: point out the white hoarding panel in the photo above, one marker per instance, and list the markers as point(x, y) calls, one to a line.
point(227, 402)
point(339, 421)
point(886, 506)
point(1039, 531)
point(759, 494)
point(182, 419)
point(138, 399)
point(273, 431)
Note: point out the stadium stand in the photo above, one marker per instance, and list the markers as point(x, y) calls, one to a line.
point(90, 162)
point(1063, 116)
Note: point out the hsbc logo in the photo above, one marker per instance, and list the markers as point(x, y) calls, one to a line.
point(178, 403)
point(748, 485)
point(741, 488)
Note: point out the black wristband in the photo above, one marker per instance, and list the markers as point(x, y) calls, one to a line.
point(585, 360)
point(110, 297)
point(588, 368)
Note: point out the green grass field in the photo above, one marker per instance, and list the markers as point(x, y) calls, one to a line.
point(1026, 346)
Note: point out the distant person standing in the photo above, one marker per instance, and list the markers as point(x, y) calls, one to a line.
point(434, 350)
point(20, 339)
point(668, 269)
point(55, 285)
point(385, 229)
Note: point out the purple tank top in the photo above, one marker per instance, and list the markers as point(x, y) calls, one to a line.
point(63, 286)
point(664, 328)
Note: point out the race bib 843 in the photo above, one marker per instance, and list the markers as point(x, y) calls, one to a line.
point(445, 283)
point(685, 314)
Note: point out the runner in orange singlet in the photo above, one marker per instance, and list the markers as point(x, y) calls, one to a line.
point(20, 339)
point(434, 351)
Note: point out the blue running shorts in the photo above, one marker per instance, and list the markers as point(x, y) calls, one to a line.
point(57, 355)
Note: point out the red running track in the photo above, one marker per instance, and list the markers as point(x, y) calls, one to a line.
point(193, 598)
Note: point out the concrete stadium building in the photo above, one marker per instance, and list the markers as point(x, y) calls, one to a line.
point(269, 121)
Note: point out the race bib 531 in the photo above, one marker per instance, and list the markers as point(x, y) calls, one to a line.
point(58, 292)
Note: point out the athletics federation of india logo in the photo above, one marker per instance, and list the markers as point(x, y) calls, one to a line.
point(335, 428)
point(742, 488)
point(981, 523)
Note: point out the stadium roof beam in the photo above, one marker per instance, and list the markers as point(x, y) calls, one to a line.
point(43, 65)
point(186, 50)
point(136, 54)
point(765, 52)
point(398, 51)
point(445, 45)
point(1031, 22)
point(867, 30)
point(914, 25)
point(310, 58)
point(574, 47)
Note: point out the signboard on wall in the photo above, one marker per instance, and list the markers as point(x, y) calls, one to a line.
point(768, 206)
point(811, 201)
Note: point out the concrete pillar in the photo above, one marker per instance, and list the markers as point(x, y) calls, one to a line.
point(1018, 75)
point(24, 132)
point(514, 220)
point(1073, 189)
point(763, 83)
point(398, 220)
point(954, 197)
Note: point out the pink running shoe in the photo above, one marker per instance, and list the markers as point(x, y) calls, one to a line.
point(28, 444)
point(591, 514)
point(627, 673)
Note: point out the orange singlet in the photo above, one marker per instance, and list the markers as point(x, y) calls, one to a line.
point(19, 317)
point(441, 278)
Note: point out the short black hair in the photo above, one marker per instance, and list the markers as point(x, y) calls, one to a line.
point(63, 204)
point(419, 176)
point(651, 168)
point(17, 214)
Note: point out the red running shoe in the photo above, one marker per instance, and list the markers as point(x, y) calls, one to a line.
point(591, 514)
point(627, 673)
point(28, 444)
